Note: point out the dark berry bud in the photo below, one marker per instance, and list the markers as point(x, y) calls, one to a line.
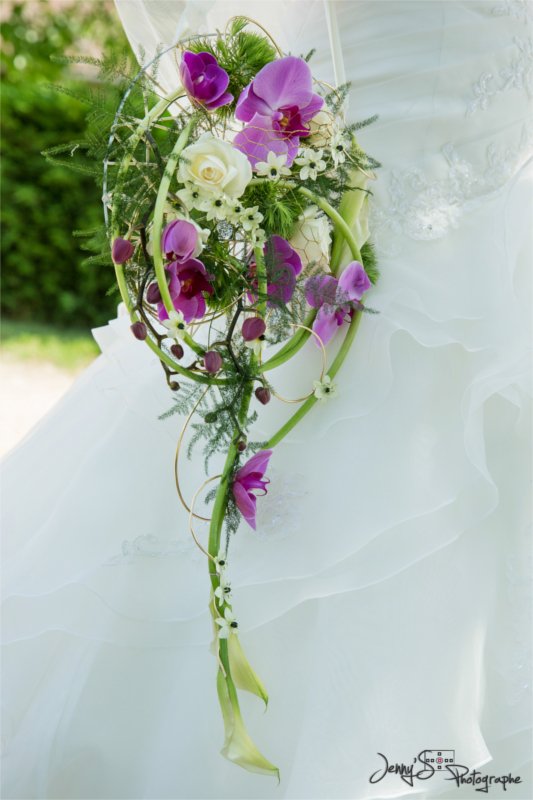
point(212, 361)
point(174, 385)
point(210, 416)
point(263, 395)
point(241, 446)
point(122, 250)
point(139, 330)
point(153, 295)
point(177, 350)
point(253, 328)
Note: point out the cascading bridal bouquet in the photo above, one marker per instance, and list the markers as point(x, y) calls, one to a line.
point(236, 209)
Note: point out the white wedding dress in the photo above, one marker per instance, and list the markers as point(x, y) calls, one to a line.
point(384, 599)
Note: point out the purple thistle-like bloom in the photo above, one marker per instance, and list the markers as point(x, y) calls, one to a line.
point(179, 240)
point(188, 281)
point(336, 299)
point(248, 478)
point(204, 80)
point(122, 250)
point(277, 105)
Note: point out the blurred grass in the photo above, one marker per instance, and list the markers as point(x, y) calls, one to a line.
point(71, 349)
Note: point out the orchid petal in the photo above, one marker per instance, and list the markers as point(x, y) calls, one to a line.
point(320, 289)
point(354, 281)
point(312, 108)
point(257, 463)
point(325, 325)
point(180, 238)
point(246, 503)
point(223, 100)
point(259, 138)
point(284, 82)
point(188, 307)
point(248, 105)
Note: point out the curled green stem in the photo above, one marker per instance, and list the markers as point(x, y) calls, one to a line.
point(119, 269)
point(159, 210)
point(310, 402)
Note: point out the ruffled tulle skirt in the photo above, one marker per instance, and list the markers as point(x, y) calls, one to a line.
point(383, 598)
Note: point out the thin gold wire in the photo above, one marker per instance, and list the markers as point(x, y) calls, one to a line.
point(258, 25)
point(192, 514)
point(322, 373)
point(177, 455)
point(217, 314)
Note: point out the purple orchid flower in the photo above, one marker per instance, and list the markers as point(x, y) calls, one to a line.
point(335, 299)
point(249, 477)
point(277, 105)
point(204, 80)
point(283, 265)
point(179, 240)
point(188, 281)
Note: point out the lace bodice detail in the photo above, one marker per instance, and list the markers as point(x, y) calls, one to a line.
point(430, 198)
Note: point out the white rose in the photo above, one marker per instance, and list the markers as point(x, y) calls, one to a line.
point(311, 237)
point(215, 166)
point(322, 129)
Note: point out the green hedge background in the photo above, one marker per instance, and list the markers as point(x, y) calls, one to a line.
point(43, 275)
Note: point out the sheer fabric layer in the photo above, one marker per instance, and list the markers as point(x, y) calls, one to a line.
point(391, 547)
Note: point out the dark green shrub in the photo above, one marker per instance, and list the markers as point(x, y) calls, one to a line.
point(44, 277)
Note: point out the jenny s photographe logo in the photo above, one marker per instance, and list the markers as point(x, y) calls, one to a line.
point(429, 763)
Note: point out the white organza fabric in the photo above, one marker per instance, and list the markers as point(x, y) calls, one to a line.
point(384, 599)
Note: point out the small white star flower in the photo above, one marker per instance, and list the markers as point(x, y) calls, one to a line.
point(191, 196)
point(221, 561)
point(175, 325)
point(235, 212)
point(227, 624)
point(258, 237)
point(325, 389)
point(215, 207)
point(251, 218)
point(311, 163)
point(340, 145)
point(274, 167)
point(223, 591)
